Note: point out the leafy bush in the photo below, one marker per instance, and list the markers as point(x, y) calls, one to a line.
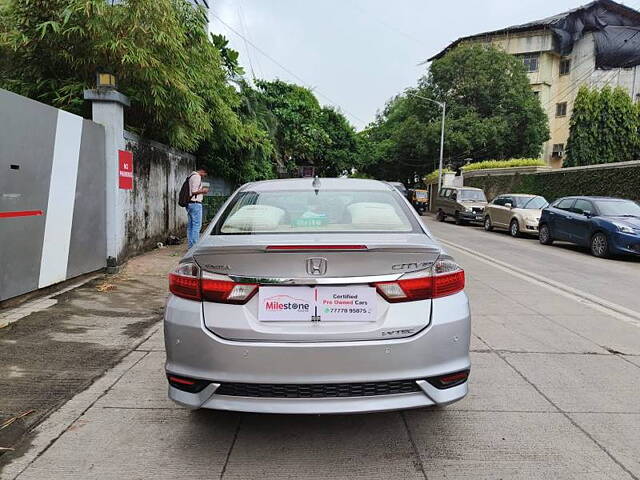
point(613, 182)
point(433, 176)
point(514, 162)
point(604, 127)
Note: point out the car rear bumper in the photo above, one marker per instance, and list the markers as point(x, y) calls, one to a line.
point(195, 352)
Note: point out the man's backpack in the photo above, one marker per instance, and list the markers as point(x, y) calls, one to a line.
point(184, 197)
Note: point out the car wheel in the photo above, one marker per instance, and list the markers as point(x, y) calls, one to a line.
point(600, 245)
point(514, 228)
point(440, 216)
point(487, 224)
point(459, 220)
point(545, 235)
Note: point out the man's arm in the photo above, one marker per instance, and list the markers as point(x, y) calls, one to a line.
point(195, 186)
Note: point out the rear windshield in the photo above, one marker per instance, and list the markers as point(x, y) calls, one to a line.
point(472, 195)
point(307, 212)
point(532, 203)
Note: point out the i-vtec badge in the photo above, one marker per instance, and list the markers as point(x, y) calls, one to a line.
point(411, 266)
point(397, 333)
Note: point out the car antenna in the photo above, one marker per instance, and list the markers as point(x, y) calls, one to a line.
point(316, 184)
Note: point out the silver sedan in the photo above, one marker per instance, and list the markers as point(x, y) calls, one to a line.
point(317, 296)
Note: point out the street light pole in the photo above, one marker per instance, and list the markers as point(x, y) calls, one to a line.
point(443, 106)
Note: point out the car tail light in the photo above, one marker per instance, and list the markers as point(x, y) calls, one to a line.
point(184, 281)
point(223, 291)
point(310, 248)
point(449, 380)
point(444, 278)
point(187, 281)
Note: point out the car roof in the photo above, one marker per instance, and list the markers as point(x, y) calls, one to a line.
point(587, 197)
point(346, 184)
point(518, 195)
point(465, 188)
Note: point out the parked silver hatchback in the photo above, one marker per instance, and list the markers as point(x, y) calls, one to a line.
point(317, 296)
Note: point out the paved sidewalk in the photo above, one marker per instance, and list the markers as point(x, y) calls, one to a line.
point(59, 345)
point(548, 399)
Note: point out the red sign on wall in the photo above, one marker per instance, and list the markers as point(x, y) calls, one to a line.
point(125, 169)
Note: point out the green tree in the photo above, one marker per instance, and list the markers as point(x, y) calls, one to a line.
point(159, 51)
point(340, 154)
point(604, 127)
point(305, 133)
point(491, 114)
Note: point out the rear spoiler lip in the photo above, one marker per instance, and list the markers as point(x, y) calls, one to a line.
point(264, 249)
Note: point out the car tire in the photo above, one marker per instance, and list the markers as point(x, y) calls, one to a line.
point(600, 245)
point(487, 224)
point(459, 220)
point(440, 216)
point(544, 235)
point(514, 228)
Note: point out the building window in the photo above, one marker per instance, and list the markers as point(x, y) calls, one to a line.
point(561, 109)
point(565, 66)
point(558, 150)
point(531, 61)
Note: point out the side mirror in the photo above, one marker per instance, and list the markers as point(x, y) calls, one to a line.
point(508, 205)
point(587, 213)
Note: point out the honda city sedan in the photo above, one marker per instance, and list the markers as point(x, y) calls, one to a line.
point(608, 226)
point(316, 296)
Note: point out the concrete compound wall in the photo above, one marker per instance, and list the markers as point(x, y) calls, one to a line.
point(52, 195)
point(151, 211)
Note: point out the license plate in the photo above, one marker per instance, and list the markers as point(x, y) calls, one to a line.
point(317, 304)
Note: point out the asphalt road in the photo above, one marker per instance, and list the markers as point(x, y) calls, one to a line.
point(554, 394)
point(616, 280)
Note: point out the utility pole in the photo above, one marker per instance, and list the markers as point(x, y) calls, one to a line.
point(443, 106)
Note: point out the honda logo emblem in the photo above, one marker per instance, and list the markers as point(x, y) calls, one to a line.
point(316, 266)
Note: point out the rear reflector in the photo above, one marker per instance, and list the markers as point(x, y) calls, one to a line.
point(186, 282)
point(185, 384)
point(449, 380)
point(316, 247)
point(444, 278)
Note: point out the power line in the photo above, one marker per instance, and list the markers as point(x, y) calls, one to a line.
point(300, 79)
point(246, 45)
point(388, 25)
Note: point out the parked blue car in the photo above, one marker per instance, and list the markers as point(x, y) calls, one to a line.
point(608, 226)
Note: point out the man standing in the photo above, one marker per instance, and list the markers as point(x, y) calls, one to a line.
point(194, 208)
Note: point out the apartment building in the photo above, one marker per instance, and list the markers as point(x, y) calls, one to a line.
point(597, 44)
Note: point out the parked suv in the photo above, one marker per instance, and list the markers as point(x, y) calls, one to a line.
point(464, 204)
point(608, 226)
point(517, 213)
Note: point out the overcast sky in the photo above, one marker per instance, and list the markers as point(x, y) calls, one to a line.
point(356, 54)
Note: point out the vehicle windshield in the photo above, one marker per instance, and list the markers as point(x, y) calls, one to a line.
point(471, 196)
point(421, 195)
point(533, 203)
point(338, 211)
point(612, 208)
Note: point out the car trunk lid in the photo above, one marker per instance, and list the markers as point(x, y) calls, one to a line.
point(313, 265)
